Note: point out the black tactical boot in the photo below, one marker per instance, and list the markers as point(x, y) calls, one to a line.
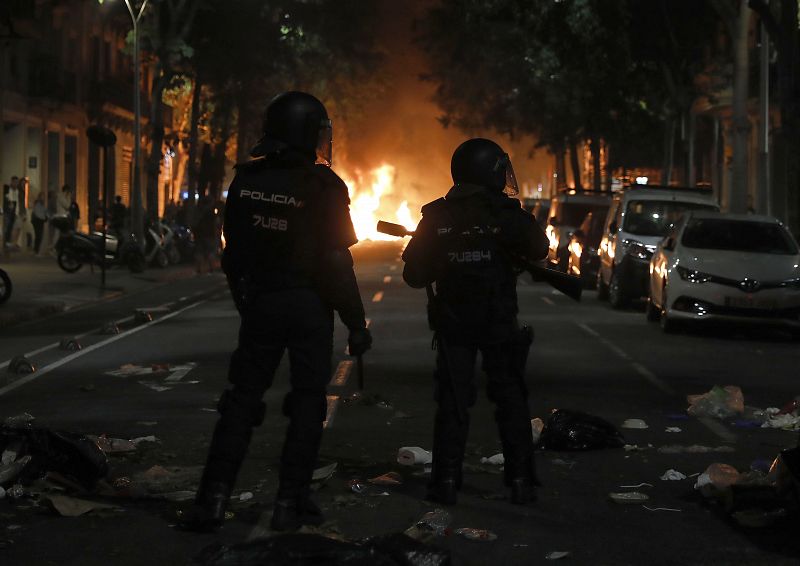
point(289, 514)
point(445, 483)
point(522, 491)
point(208, 511)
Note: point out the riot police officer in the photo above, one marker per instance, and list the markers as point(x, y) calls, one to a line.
point(466, 243)
point(287, 228)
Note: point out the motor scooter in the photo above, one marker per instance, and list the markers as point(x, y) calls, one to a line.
point(73, 249)
point(5, 286)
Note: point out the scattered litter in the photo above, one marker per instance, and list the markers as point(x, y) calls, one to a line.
point(324, 473)
point(634, 424)
point(2, 492)
point(72, 507)
point(246, 496)
point(482, 535)
point(719, 402)
point(314, 547)
point(537, 425)
point(784, 421)
point(361, 488)
point(760, 465)
point(155, 386)
point(662, 509)
point(635, 448)
point(10, 471)
point(19, 420)
point(572, 430)
point(673, 475)
point(557, 555)
point(637, 486)
point(717, 477)
point(140, 439)
point(629, 497)
point(411, 455)
point(16, 491)
point(390, 478)
point(693, 449)
point(437, 521)
point(745, 423)
point(208, 410)
point(113, 445)
point(496, 460)
point(673, 429)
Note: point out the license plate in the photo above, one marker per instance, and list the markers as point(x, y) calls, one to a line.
point(749, 302)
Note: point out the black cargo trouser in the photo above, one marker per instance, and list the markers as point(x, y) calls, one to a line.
point(293, 319)
point(503, 364)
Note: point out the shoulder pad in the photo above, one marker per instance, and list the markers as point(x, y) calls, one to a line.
point(251, 165)
point(433, 206)
point(329, 178)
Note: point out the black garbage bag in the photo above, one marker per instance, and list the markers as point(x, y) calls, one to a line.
point(71, 455)
point(313, 549)
point(573, 430)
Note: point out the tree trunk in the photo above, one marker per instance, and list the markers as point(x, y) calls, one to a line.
point(218, 167)
point(689, 170)
point(191, 166)
point(741, 123)
point(243, 129)
point(156, 140)
point(575, 164)
point(597, 168)
point(669, 151)
point(789, 85)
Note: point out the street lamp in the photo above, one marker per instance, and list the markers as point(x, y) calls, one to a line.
point(137, 219)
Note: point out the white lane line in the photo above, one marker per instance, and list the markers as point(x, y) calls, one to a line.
point(548, 300)
point(342, 373)
point(652, 378)
point(377, 297)
point(65, 360)
point(717, 428)
point(387, 278)
point(333, 402)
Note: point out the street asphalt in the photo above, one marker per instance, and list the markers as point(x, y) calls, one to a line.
point(585, 357)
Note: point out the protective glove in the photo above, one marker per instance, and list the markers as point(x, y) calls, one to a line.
point(359, 341)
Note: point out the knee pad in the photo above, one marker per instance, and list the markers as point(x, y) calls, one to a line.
point(305, 404)
point(245, 408)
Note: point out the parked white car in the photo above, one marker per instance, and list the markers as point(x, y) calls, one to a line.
point(639, 218)
point(726, 267)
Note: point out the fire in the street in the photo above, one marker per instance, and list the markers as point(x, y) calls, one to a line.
point(373, 198)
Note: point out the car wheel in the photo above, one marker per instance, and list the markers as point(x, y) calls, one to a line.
point(652, 313)
point(602, 288)
point(161, 259)
point(68, 262)
point(616, 292)
point(5, 287)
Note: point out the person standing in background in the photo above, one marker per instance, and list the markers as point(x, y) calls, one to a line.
point(10, 208)
point(39, 217)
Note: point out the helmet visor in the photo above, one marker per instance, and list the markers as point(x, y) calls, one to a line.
point(325, 143)
point(511, 188)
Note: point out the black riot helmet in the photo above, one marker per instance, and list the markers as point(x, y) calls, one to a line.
point(299, 121)
point(482, 162)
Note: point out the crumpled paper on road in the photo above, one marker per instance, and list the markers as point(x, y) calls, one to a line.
point(719, 402)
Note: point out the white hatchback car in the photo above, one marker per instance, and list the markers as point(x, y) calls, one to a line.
point(730, 267)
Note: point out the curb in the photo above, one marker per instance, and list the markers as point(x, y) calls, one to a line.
point(30, 313)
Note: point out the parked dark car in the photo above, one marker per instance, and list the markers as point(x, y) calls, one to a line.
point(584, 260)
point(567, 211)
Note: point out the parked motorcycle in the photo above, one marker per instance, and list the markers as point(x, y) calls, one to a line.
point(73, 249)
point(5, 286)
point(155, 245)
point(183, 240)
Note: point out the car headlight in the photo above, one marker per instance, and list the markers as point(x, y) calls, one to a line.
point(692, 275)
point(792, 283)
point(637, 249)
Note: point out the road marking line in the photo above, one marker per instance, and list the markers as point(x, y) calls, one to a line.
point(333, 402)
point(342, 373)
point(387, 278)
point(65, 360)
point(548, 300)
point(640, 369)
point(717, 428)
point(377, 297)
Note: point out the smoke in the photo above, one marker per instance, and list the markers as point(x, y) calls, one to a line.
point(400, 127)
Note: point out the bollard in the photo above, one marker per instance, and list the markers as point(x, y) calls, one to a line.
point(110, 328)
point(143, 316)
point(20, 365)
point(70, 344)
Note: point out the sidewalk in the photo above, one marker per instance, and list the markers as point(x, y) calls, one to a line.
point(41, 288)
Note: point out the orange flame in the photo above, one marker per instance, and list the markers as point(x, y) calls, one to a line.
point(374, 199)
